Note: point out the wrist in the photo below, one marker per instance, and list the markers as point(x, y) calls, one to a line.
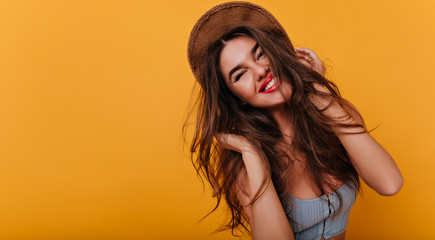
point(255, 165)
point(342, 115)
point(334, 110)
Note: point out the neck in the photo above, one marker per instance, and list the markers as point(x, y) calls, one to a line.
point(283, 118)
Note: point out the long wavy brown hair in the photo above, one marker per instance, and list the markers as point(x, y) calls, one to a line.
point(218, 110)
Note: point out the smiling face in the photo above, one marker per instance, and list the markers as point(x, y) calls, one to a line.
point(248, 75)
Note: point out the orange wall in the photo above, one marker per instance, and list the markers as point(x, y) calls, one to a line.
point(93, 95)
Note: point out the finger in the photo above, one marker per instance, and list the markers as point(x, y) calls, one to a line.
point(232, 142)
point(305, 50)
point(302, 54)
point(307, 57)
point(301, 49)
point(305, 62)
point(312, 54)
point(221, 137)
point(228, 139)
point(308, 51)
point(223, 141)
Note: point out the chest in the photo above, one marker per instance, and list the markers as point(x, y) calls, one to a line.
point(300, 183)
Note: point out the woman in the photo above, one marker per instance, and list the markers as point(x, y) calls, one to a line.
point(289, 150)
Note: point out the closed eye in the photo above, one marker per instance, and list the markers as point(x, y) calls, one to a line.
point(260, 54)
point(238, 76)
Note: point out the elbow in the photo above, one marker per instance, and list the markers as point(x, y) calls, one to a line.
point(392, 188)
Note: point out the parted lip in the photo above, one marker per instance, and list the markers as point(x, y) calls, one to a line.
point(265, 82)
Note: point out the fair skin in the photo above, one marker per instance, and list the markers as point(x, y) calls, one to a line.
point(245, 69)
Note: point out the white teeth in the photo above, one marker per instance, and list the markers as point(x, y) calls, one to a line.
point(270, 84)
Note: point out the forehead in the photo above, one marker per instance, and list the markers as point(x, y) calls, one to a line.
point(234, 52)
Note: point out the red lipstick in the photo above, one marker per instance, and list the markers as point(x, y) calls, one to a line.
point(267, 81)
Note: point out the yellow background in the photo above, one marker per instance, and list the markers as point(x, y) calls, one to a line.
point(93, 95)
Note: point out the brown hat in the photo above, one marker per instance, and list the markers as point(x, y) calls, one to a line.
point(222, 18)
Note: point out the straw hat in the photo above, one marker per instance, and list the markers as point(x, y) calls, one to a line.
point(222, 18)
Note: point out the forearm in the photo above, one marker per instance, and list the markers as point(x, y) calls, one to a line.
point(373, 163)
point(267, 217)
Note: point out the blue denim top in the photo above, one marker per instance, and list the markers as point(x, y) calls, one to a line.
point(312, 218)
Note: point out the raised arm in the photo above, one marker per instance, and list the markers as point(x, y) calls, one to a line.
point(372, 162)
point(266, 215)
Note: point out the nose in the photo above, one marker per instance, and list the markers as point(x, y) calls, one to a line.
point(261, 71)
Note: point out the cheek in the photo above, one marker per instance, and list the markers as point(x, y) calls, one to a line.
point(245, 92)
point(242, 95)
point(242, 90)
point(286, 90)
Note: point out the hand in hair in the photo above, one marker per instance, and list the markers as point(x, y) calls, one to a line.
point(310, 59)
point(234, 142)
point(256, 192)
point(338, 109)
point(255, 167)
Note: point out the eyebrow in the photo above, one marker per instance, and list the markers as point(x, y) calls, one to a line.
point(239, 66)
